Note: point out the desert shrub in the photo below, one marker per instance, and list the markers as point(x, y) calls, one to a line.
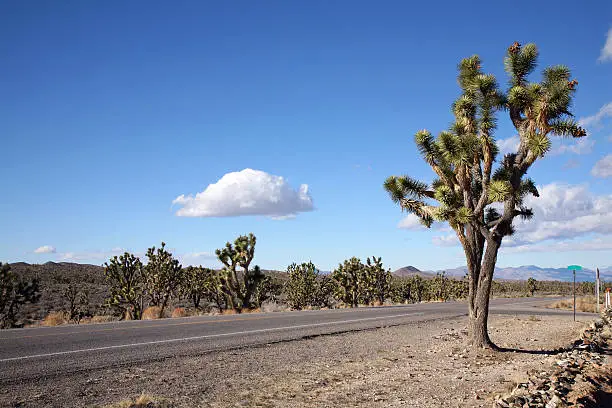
point(143, 401)
point(179, 312)
point(56, 319)
point(102, 319)
point(14, 293)
point(152, 312)
point(583, 304)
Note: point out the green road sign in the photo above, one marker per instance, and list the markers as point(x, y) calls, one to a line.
point(574, 268)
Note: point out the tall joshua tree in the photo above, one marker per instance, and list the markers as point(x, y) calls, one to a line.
point(479, 202)
point(239, 286)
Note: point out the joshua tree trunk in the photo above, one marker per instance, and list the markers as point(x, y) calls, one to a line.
point(481, 279)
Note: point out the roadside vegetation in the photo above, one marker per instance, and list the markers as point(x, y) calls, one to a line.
point(127, 289)
point(14, 293)
point(583, 304)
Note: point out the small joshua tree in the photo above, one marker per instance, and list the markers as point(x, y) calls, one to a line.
point(379, 279)
point(438, 287)
point(480, 203)
point(198, 284)
point(14, 293)
point(349, 278)
point(268, 290)
point(163, 276)
point(77, 300)
point(125, 278)
point(532, 286)
point(400, 290)
point(238, 281)
point(302, 286)
point(418, 288)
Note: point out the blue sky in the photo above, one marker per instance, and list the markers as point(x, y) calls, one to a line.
point(110, 111)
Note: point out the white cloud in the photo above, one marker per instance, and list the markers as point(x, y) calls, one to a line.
point(198, 258)
point(45, 249)
point(563, 215)
point(247, 192)
point(606, 51)
point(603, 168)
point(563, 212)
point(576, 146)
point(508, 145)
point(199, 255)
point(595, 244)
point(445, 240)
point(411, 222)
point(596, 119)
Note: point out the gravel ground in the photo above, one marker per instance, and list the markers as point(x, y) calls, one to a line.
point(424, 364)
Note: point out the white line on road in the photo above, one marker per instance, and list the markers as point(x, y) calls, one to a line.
point(207, 336)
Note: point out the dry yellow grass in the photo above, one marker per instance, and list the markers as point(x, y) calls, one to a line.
point(102, 319)
point(179, 312)
point(151, 312)
point(143, 401)
point(583, 304)
point(55, 319)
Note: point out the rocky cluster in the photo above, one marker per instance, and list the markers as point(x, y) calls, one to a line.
point(549, 388)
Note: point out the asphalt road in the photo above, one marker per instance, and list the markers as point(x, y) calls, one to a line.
point(48, 351)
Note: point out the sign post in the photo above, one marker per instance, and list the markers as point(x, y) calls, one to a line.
point(597, 287)
point(574, 268)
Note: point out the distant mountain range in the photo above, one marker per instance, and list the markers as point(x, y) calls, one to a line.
point(408, 271)
point(517, 273)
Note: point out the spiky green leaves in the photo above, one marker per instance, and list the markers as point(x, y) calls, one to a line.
point(521, 97)
point(539, 144)
point(426, 145)
point(528, 187)
point(453, 215)
point(468, 69)
point(406, 187)
point(555, 74)
point(520, 62)
point(409, 194)
point(463, 215)
point(499, 190)
point(567, 127)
